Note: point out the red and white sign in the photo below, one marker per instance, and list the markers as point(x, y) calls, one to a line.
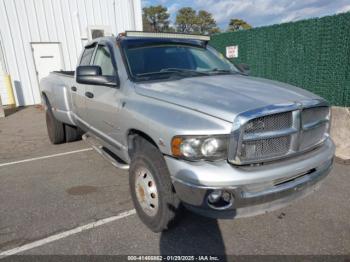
point(232, 51)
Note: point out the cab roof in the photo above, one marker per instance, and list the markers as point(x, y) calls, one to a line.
point(139, 38)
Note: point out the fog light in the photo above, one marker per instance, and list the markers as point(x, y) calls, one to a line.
point(226, 196)
point(215, 196)
point(220, 200)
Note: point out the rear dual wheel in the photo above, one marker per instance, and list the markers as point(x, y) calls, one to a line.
point(59, 132)
point(55, 128)
point(72, 133)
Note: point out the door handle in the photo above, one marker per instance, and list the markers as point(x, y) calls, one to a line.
point(89, 94)
point(74, 88)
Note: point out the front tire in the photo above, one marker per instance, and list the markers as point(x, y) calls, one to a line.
point(151, 188)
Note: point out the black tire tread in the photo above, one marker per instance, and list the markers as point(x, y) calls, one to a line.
point(170, 206)
point(72, 133)
point(55, 128)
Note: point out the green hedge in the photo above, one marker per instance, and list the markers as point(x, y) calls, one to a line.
point(313, 54)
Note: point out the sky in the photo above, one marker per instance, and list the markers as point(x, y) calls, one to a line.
point(257, 12)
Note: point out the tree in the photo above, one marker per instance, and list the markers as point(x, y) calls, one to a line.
point(186, 20)
point(238, 24)
point(147, 27)
point(206, 24)
point(215, 30)
point(169, 29)
point(155, 18)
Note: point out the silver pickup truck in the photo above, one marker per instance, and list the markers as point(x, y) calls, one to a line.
point(193, 130)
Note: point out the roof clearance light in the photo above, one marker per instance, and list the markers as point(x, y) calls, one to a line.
point(167, 35)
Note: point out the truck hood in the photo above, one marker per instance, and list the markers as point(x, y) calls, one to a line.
point(223, 96)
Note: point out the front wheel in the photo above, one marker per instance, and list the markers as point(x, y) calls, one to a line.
point(151, 188)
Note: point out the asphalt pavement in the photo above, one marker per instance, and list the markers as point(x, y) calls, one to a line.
point(66, 199)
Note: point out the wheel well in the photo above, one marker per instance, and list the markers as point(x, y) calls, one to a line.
point(132, 135)
point(44, 98)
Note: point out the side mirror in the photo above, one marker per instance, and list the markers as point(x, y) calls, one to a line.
point(92, 75)
point(244, 68)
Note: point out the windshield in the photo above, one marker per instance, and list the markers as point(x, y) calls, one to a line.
point(175, 60)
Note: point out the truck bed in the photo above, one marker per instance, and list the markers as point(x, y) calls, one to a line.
point(56, 87)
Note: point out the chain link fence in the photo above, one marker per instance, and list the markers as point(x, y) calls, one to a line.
point(313, 54)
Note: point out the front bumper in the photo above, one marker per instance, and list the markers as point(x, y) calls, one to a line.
point(254, 190)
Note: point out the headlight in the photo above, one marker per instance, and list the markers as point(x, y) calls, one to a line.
point(200, 147)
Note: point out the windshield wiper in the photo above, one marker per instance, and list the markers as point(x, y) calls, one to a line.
point(221, 71)
point(177, 71)
point(184, 71)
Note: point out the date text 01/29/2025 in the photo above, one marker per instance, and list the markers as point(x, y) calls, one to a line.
point(174, 258)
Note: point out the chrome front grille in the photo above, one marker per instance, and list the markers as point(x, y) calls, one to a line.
point(269, 123)
point(312, 137)
point(315, 125)
point(287, 130)
point(265, 148)
point(314, 114)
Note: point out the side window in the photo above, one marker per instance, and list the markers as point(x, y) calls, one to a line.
point(87, 55)
point(104, 60)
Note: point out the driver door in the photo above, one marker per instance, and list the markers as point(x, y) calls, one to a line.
point(102, 102)
point(78, 90)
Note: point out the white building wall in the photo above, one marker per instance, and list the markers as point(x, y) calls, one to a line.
point(3, 70)
point(23, 22)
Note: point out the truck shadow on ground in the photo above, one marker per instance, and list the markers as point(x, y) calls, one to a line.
point(194, 235)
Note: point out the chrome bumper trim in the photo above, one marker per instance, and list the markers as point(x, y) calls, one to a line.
point(195, 197)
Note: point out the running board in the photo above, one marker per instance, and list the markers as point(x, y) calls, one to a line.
point(104, 153)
